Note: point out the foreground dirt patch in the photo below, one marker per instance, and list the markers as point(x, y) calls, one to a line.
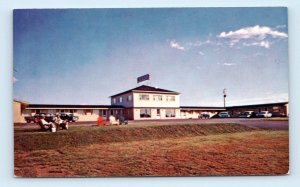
point(241, 153)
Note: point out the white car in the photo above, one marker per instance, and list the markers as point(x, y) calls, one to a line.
point(247, 114)
point(224, 115)
point(264, 114)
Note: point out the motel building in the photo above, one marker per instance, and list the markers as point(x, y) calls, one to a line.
point(140, 103)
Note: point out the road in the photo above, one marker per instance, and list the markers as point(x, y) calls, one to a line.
point(272, 124)
point(262, 123)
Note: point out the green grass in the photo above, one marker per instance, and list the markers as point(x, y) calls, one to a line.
point(238, 153)
point(32, 139)
point(277, 119)
point(151, 150)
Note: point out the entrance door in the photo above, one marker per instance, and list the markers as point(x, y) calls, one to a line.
point(158, 115)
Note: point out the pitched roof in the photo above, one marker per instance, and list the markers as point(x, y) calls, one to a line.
point(21, 101)
point(145, 88)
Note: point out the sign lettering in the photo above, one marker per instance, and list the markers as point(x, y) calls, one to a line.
point(143, 78)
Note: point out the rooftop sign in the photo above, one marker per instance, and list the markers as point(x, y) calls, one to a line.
point(143, 78)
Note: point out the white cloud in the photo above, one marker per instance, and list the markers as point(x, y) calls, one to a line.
point(201, 53)
point(176, 45)
point(259, 32)
point(233, 42)
point(206, 42)
point(280, 27)
point(15, 80)
point(265, 44)
point(228, 64)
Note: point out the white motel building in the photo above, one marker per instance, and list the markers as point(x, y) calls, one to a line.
point(140, 103)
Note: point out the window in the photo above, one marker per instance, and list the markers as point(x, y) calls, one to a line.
point(114, 100)
point(158, 112)
point(144, 97)
point(157, 97)
point(170, 113)
point(171, 98)
point(37, 111)
point(120, 99)
point(88, 111)
point(145, 113)
point(129, 97)
point(102, 112)
point(62, 111)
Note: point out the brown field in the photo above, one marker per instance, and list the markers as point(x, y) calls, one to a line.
point(168, 150)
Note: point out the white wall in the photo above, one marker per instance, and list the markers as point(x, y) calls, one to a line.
point(136, 114)
point(151, 103)
point(83, 116)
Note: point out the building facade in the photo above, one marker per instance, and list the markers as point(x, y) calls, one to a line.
point(277, 109)
point(142, 103)
point(145, 102)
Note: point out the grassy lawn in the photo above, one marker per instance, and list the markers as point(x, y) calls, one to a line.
point(180, 150)
point(277, 119)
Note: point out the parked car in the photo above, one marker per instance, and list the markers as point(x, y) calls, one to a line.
point(69, 117)
point(224, 115)
point(30, 119)
point(248, 114)
point(204, 115)
point(264, 114)
point(36, 118)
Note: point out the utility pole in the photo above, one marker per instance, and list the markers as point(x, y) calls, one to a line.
point(224, 96)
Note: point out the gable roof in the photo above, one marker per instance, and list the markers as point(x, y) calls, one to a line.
point(147, 89)
point(20, 101)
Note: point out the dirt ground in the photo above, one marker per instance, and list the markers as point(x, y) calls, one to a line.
point(220, 151)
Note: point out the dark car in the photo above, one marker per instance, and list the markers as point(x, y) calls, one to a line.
point(248, 114)
point(69, 117)
point(204, 115)
point(36, 118)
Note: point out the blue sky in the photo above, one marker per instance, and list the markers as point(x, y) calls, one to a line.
point(82, 56)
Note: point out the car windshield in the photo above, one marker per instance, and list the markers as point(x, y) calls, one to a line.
point(263, 112)
point(223, 112)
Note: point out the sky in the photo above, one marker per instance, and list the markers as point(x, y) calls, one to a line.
point(83, 56)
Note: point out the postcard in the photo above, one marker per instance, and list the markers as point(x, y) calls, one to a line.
point(117, 92)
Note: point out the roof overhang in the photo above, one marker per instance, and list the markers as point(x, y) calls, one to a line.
point(201, 108)
point(72, 107)
point(149, 92)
